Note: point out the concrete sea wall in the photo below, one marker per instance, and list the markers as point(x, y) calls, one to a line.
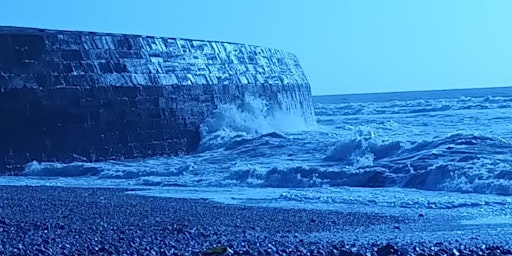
point(81, 96)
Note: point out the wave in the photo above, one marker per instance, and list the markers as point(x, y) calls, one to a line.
point(252, 145)
point(61, 170)
point(412, 106)
point(465, 163)
point(254, 118)
point(132, 169)
point(353, 150)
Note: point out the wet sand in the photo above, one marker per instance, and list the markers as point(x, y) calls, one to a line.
point(90, 221)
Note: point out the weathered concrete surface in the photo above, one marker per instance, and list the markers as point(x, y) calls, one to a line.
point(68, 96)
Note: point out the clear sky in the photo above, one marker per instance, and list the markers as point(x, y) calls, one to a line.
point(345, 46)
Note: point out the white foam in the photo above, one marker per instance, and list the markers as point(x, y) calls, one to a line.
point(254, 117)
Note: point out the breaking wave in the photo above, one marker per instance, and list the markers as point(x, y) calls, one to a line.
point(457, 163)
point(230, 124)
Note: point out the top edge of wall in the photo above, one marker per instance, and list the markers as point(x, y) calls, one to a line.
point(43, 31)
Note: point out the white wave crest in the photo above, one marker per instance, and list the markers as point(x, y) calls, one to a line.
point(254, 117)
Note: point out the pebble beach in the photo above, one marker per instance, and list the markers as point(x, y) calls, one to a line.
point(43, 220)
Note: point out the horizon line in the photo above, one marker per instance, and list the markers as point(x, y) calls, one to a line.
point(434, 90)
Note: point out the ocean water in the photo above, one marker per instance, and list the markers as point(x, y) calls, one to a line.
point(439, 149)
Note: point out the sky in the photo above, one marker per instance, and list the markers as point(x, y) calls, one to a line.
point(344, 46)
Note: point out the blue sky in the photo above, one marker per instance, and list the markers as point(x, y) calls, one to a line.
point(345, 46)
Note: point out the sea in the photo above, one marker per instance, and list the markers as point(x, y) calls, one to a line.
point(431, 149)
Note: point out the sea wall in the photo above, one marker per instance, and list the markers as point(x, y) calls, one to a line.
point(81, 96)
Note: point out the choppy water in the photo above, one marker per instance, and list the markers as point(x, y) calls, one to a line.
point(451, 141)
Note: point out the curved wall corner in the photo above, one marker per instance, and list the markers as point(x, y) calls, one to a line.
point(81, 96)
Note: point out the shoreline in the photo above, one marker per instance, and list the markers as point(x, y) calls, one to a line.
point(108, 221)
